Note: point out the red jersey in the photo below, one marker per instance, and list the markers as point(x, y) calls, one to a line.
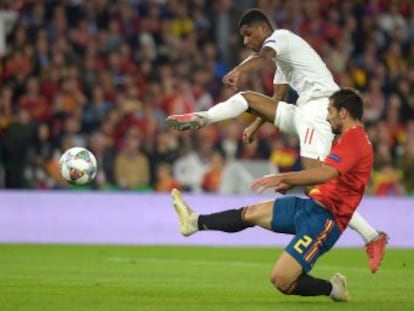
point(353, 157)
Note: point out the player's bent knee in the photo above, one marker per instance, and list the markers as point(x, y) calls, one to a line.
point(252, 97)
point(261, 105)
point(259, 214)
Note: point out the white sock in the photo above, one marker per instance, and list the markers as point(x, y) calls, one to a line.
point(364, 229)
point(229, 109)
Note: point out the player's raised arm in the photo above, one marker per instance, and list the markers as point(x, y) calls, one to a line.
point(258, 60)
point(253, 62)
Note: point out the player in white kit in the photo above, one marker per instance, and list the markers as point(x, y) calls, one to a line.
point(297, 65)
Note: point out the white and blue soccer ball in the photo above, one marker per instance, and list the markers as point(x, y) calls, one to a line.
point(78, 166)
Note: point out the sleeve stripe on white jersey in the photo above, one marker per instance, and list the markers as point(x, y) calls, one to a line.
point(269, 41)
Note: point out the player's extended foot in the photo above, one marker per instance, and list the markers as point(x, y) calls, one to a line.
point(188, 121)
point(186, 216)
point(375, 250)
point(339, 288)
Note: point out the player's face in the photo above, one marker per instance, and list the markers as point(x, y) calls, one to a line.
point(334, 119)
point(253, 36)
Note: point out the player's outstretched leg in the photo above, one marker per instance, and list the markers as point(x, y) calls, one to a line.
point(375, 250)
point(231, 220)
point(187, 218)
point(339, 288)
point(229, 109)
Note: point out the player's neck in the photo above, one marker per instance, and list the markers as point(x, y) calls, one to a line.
point(350, 125)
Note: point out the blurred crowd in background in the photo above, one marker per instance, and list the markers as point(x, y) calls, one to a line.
point(104, 74)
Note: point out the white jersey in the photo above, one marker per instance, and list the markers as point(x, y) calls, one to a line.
point(298, 65)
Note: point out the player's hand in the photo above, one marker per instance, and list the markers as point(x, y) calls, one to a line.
point(231, 79)
point(283, 188)
point(248, 135)
point(269, 181)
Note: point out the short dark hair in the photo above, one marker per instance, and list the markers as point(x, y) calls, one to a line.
point(350, 100)
point(252, 16)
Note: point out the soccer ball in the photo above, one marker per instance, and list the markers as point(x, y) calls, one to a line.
point(78, 166)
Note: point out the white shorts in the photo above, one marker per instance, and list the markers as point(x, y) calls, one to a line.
point(308, 121)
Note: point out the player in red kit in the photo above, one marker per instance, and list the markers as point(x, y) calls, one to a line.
point(352, 157)
point(316, 222)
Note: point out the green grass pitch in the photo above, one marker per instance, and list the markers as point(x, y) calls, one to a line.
point(154, 278)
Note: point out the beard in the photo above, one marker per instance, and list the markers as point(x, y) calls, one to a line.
point(336, 130)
